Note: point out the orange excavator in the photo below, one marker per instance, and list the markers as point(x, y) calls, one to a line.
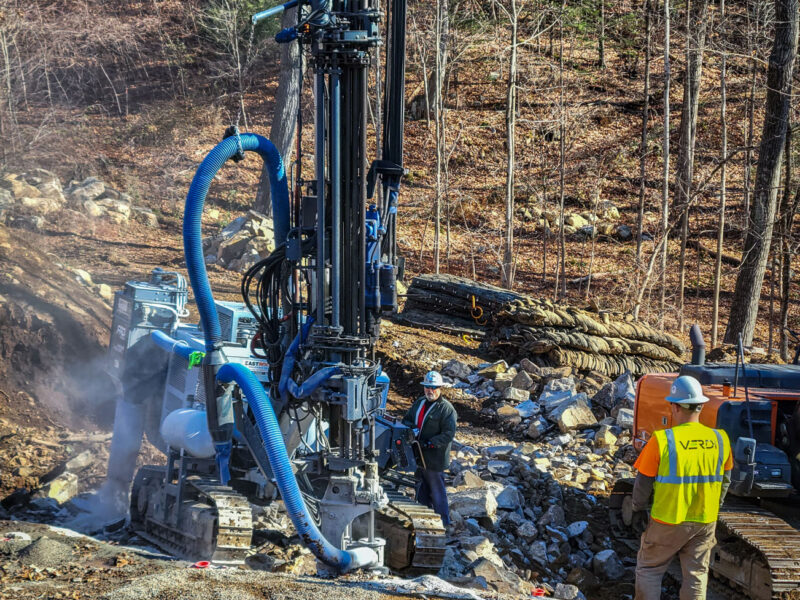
point(758, 406)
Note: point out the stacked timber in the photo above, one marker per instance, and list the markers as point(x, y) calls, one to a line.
point(517, 326)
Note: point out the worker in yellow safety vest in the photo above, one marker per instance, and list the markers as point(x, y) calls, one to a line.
point(687, 470)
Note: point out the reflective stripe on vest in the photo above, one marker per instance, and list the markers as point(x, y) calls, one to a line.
point(689, 480)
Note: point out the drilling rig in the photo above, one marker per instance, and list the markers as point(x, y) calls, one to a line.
point(281, 395)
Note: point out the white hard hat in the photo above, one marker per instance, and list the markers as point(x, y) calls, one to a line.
point(686, 390)
point(433, 379)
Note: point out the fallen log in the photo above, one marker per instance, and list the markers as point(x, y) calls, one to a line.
point(516, 326)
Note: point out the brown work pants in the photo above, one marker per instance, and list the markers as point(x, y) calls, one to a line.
point(692, 542)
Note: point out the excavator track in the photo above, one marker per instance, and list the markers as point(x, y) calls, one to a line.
point(757, 552)
point(415, 536)
point(214, 523)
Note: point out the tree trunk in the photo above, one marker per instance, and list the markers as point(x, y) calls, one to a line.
point(562, 264)
point(787, 246)
point(284, 116)
point(665, 175)
point(511, 124)
point(723, 122)
point(435, 91)
point(601, 37)
point(697, 16)
point(744, 308)
point(643, 156)
point(437, 82)
point(751, 101)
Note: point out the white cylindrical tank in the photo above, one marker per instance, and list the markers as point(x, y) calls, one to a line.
point(187, 428)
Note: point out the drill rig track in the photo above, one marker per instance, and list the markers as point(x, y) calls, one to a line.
point(215, 523)
point(415, 536)
point(757, 552)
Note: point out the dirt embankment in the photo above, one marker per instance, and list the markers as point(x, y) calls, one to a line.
point(53, 333)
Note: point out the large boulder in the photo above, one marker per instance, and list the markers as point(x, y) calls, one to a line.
point(573, 414)
point(576, 221)
point(119, 211)
point(52, 190)
point(605, 438)
point(241, 243)
point(18, 186)
point(90, 188)
point(555, 392)
point(474, 503)
point(497, 578)
point(145, 216)
point(625, 418)
point(457, 369)
point(513, 394)
point(491, 371)
point(607, 565)
point(523, 381)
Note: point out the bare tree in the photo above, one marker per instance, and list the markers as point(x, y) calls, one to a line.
point(744, 307)
point(286, 111)
point(643, 156)
point(512, 10)
point(723, 122)
point(437, 91)
point(788, 245)
point(665, 173)
point(601, 37)
point(696, 18)
point(561, 269)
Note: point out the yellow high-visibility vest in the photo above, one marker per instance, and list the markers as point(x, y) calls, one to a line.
point(689, 480)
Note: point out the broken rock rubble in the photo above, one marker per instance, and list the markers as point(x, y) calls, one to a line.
point(534, 401)
point(526, 515)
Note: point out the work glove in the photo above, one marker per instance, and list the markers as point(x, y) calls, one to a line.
point(641, 518)
point(430, 445)
point(410, 437)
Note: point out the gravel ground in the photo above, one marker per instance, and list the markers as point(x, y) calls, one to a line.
point(56, 564)
point(233, 584)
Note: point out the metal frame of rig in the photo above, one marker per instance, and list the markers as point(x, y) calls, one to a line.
point(287, 396)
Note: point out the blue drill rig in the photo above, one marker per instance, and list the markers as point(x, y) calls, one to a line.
point(281, 396)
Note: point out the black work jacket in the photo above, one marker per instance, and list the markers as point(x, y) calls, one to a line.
point(438, 429)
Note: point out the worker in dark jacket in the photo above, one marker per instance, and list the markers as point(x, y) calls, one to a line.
point(432, 419)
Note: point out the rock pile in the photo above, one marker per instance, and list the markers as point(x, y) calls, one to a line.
point(28, 199)
point(532, 401)
point(526, 515)
point(242, 243)
point(587, 224)
point(551, 335)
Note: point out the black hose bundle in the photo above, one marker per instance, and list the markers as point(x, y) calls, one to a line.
point(265, 287)
point(266, 276)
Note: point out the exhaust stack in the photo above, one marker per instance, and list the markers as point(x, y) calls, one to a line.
point(698, 345)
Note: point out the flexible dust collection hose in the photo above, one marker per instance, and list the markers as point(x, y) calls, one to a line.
point(218, 408)
point(192, 230)
point(169, 344)
point(342, 560)
point(267, 422)
point(214, 369)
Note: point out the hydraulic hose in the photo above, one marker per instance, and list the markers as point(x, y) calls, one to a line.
point(195, 199)
point(342, 560)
